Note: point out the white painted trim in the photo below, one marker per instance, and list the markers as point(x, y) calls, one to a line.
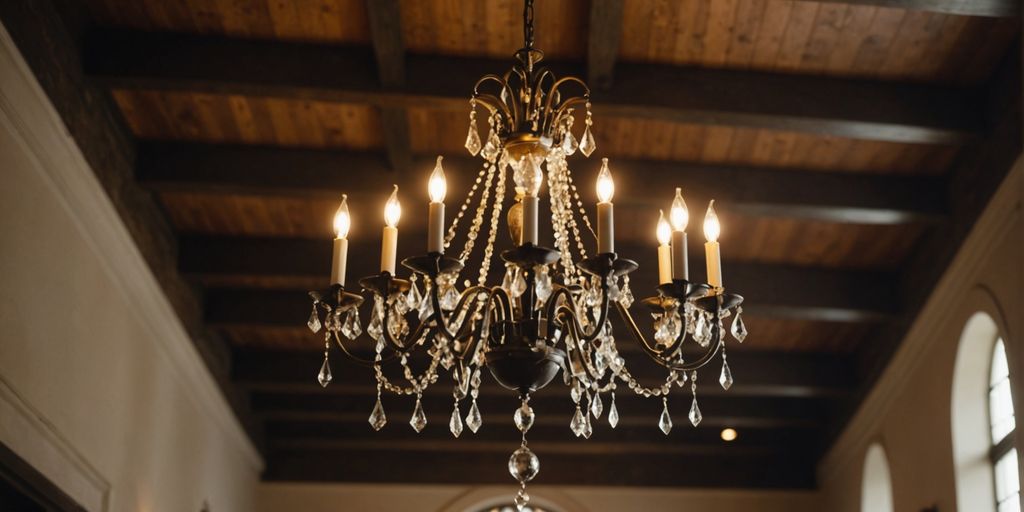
point(993, 226)
point(25, 107)
point(27, 432)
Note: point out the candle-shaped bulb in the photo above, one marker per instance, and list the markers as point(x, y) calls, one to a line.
point(605, 184)
point(342, 220)
point(393, 209)
point(711, 226)
point(664, 231)
point(437, 186)
point(680, 214)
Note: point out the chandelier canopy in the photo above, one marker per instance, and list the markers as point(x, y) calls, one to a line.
point(550, 313)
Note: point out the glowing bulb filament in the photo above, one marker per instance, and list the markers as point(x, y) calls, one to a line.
point(393, 209)
point(342, 220)
point(680, 214)
point(605, 184)
point(437, 187)
point(711, 226)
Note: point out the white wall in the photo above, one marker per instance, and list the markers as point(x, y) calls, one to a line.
point(100, 388)
point(280, 497)
point(909, 410)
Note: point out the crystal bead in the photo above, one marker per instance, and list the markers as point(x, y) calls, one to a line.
point(314, 320)
point(523, 465)
point(613, 413)
point(524, 417)
point(419, 419)
point(596, 407)
point(569, 143)
point(352, 328)
point(473, 419)
point(665, 421)
point(578, 422)
point(473, 139)
point(575, 392)
point(377, 418)
point(726, 378)
point(695, 415)
point(587, 145)
point(738, 328)
point(324, 377)
point(521, 500)
point(476, 380)
point(455, 424)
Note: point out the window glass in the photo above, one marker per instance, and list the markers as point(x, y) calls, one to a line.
point(1000, 401)
point(1007, 483)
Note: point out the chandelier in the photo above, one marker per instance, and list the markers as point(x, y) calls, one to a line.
point(551, 311)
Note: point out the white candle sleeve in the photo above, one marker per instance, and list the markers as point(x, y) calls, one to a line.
point(714, 256)
point(605, 228)
point(435, 229)
point(530, 206)
point(664, 264)
point(389, 250)
point(680, 263)
point(340, 257)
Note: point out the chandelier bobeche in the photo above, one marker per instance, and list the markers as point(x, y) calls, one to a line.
point(551, 310)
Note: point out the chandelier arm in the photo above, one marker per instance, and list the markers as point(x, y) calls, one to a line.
point(657, 356)
point(395, 343)
point(489, 100)
point(569, 102)
point(573, 336)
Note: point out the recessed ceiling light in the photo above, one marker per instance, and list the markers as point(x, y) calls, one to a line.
point(728, 434)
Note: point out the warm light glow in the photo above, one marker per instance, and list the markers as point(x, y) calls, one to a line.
point(342, 220)
point(437, 186)
point(533, 175)
point(728, 434)
point(393, 209)
point(605, 184)
point(664, 231)
point(711, 226)
point(680, 214)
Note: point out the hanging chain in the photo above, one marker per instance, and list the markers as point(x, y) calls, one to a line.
point(528, 23)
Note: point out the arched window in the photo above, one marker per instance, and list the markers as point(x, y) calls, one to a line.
point(1002, 423)
point(876, 485)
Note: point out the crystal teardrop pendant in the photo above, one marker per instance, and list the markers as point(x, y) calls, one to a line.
point(587, 144)
point(738, 329)
point(455, 424)
point(524, 417)
point(473, 419)
point(726, 378)
point(695, 415)
point(413, 298)
point(626, 296)
point(473, 139)
point(377, 418)
point(578, 422)
point(613, 414)
point(665, 421)
point(596, 407)
point(351, 328)
point(314, 320)
point(324, 377)
point(419, 419)
point(588, 427)
point(569, 143)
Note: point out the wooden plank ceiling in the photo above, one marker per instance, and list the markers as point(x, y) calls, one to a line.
point(829, 132)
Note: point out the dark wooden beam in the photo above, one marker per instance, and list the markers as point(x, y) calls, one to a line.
point(989, 8)
point(46, 34)
point(389, 49)
point(869, 110)
point(772, 290)
point(815, 195)
point(603, 41)
point(765, 374)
